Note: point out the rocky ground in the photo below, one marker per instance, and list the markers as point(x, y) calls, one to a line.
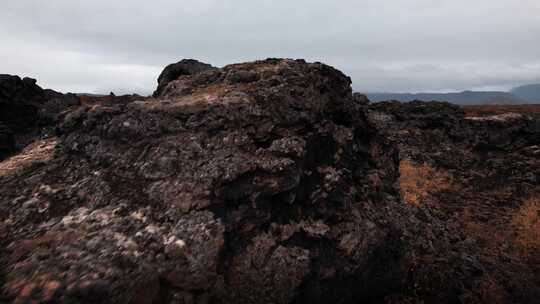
point(264, 182)
point(478, 167)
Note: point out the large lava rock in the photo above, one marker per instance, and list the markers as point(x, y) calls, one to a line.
point(184, 67)
point(18, 110)
point(18, 98)
point(260, 182)
point(25, 109)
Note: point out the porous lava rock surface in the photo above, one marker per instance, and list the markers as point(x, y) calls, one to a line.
point(29, 113)
point(261, 182)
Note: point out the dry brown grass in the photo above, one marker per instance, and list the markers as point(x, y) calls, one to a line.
point(526, 223)
point(419, 181)
point(492, 239)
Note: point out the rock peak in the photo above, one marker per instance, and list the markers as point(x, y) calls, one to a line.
point(181, 68)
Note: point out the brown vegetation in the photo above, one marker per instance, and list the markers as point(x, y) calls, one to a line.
point(526, 222)
point(476, 167)
point(419, 181)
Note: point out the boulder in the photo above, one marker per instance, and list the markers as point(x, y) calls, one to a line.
point(184, 67)
point(27, 111)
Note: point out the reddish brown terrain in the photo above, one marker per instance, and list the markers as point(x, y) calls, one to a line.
point(265, 182)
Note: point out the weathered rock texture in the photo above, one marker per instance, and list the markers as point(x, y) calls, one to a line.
point(29, 113)
point(479, 168)
point(185, 67)
point(262, 182)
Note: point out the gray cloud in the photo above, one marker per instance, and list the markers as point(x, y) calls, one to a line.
point(402, 45)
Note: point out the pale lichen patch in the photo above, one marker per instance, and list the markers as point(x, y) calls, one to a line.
point(36, 152)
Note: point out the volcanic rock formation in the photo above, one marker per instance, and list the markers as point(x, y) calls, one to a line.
point(26, 110)
point(262, 182)
point(185, 67)
point(29, 113)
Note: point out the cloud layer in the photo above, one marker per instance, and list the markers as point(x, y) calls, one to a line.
point(403, 45)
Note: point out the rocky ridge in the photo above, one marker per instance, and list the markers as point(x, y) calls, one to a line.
point(29, 112)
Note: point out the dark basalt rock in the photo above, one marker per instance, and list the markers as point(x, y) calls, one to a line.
point(7, 142)
point(25, 110)
point(481, 173)
point(18, 100)
point(260, 182)
point(184, 67)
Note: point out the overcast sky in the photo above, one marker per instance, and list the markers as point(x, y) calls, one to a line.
point(100, 46)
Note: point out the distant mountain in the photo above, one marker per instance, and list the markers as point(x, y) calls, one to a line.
point(461, 98)
point(530, 92)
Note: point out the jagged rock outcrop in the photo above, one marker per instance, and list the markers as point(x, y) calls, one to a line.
point(480, 172)
point(261, 182)
point(25, 109)
point(28, 112)
point(185, 67)
point(18, 98)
